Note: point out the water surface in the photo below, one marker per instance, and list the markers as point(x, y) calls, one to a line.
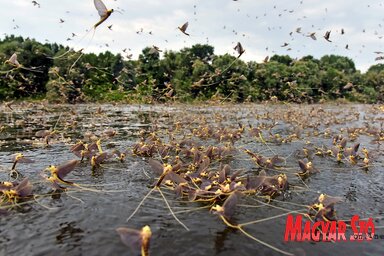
point(83, 222)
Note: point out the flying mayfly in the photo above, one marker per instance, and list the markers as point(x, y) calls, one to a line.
point(239, 48)
point(104, 15)
point(12, 61)
point(183, 28)
point(103, 12)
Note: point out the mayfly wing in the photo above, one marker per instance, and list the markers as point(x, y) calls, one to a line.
point(204, 164)
point(102, 157)
point(26, 160)
point(13, 60)
point(229, 205)
point(302, 165)
point(156, 166)
point(330, 200)
point(20, 158)
point(24, 188)
point(174, 177)
point(223, 173)
point(184, 27)
point(101, 8)
point(254, 182)
point(66, 168)
point(77, 147)
point(130, 237)
point(356, 147)
point(235, 175)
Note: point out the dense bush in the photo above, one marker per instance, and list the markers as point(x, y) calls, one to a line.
point(196, 73)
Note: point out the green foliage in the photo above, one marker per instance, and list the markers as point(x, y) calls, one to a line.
point(192, 73)
point(283, 59)
point(376, 68)
point(30, 78)
point(342, 64)
point(374, 85)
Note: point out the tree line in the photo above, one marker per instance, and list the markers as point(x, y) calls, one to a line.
point(60, 74)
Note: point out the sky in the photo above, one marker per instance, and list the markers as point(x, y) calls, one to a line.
point(263, 27)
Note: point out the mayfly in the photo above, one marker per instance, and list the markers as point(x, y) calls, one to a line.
point(103, 12)
point(327, 35)
point(136, 239)
point(16, 64)
point(58, 173)
point(13, 61)
point(104, 15)
point(166, 170)
point(183, 28)
point(226, 212)
point(19, 158)
point(239, 48)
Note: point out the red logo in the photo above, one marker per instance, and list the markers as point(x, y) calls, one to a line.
point(332, 230)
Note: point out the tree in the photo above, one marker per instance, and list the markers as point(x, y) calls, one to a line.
point(340, 63)
point(376, 68)
point(304, 82)
point(283, 59)
point(64, 75)
point(30, 78)
point(230, 77)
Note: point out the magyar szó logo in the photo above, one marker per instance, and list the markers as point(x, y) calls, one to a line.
point(297, 230)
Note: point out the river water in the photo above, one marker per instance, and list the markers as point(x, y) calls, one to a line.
point(83, 219)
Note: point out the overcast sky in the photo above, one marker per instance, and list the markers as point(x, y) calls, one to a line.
point(262, 27)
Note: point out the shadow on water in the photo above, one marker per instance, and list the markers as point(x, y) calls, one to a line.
point(82, 220)
point(69, 237)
